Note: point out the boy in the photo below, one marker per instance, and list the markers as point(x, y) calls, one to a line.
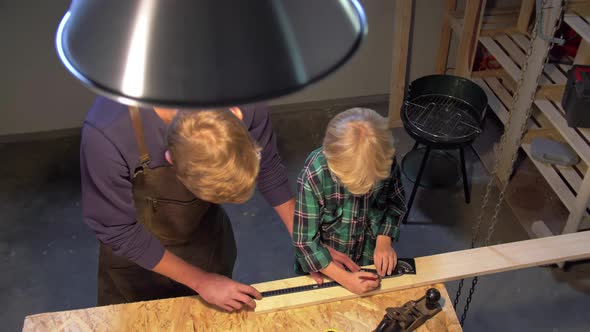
point(350, 198)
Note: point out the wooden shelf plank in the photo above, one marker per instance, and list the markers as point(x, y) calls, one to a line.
point(501, 56)
point(556, 75)
point(572, 177)
point(517, 44)
point(493, 87)
point(579, 24)
point(493, 101)
point(513, 50)
point(571, 136)
point(521, 40)
point(500, 91)
point(553, 179)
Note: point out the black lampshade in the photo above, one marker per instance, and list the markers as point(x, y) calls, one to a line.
point(204, 53)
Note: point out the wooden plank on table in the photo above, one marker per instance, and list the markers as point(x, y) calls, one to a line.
point(445, 38)
point(493, 101)
point(577, 23)
point(190, 314)
point(331, 306)
point(571, 136)
point(513, 50)
point(447, 267)
point(474, 11)
point(503, 59)
point(403, 22)
point(553, 179)
point(524, 17)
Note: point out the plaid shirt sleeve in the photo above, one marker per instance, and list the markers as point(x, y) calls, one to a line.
point(311, 255)
point(394, 199)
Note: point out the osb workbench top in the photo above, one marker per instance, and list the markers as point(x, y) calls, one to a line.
point(190, 314)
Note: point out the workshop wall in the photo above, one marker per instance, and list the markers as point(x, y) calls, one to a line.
point(37, 94)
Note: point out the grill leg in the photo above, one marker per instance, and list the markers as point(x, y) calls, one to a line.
point(464, 171)
point(416, 183)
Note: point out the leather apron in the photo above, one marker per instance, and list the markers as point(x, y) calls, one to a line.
point(197, 231)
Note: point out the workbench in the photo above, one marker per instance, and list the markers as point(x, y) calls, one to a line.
point(325, 308)
point(191, 314)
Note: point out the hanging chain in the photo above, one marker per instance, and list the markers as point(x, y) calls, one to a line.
point(503, 140)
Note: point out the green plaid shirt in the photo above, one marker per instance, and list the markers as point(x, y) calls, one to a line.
point(326, 213)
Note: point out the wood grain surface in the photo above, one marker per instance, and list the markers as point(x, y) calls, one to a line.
point(322, 309)
point(190, 314)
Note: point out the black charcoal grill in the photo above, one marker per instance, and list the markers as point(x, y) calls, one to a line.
point(442, 112)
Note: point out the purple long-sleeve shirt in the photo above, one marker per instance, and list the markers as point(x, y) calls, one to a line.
point(109, 154)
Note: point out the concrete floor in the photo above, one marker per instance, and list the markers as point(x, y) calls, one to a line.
point(48, 256)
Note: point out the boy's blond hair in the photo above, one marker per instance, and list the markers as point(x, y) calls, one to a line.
point(358, 146)
point(214, 155)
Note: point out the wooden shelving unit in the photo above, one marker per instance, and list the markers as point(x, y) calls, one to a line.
point(504, 34)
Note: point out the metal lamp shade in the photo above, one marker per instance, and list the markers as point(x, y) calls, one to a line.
point(204, 53)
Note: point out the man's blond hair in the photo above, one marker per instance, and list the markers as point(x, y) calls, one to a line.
point(358, 146)
point(214, 155)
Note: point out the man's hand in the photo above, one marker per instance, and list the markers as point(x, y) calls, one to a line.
point(225, 293)
point(340, 260)
point(361, 282)
point(384, 256)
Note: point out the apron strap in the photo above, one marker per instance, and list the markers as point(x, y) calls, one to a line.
point(144, 156)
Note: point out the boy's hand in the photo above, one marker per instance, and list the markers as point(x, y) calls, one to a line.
point(361, 282)
point(338, 258)
point(385, 257)
point(342, 260)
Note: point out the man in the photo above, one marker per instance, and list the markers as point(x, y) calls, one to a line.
point(152, 182)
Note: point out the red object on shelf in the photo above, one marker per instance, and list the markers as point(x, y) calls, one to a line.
point(573, 40)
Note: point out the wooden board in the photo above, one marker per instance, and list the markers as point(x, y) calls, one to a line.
point(334, 307)
point(526, 10)
point(444, 267)
point(502, 58)
point(494, 102)
point(403, 22)
point(513, 50)
point(445, 38)
point(579, 24)
point(474, 11)
point(189, 314)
